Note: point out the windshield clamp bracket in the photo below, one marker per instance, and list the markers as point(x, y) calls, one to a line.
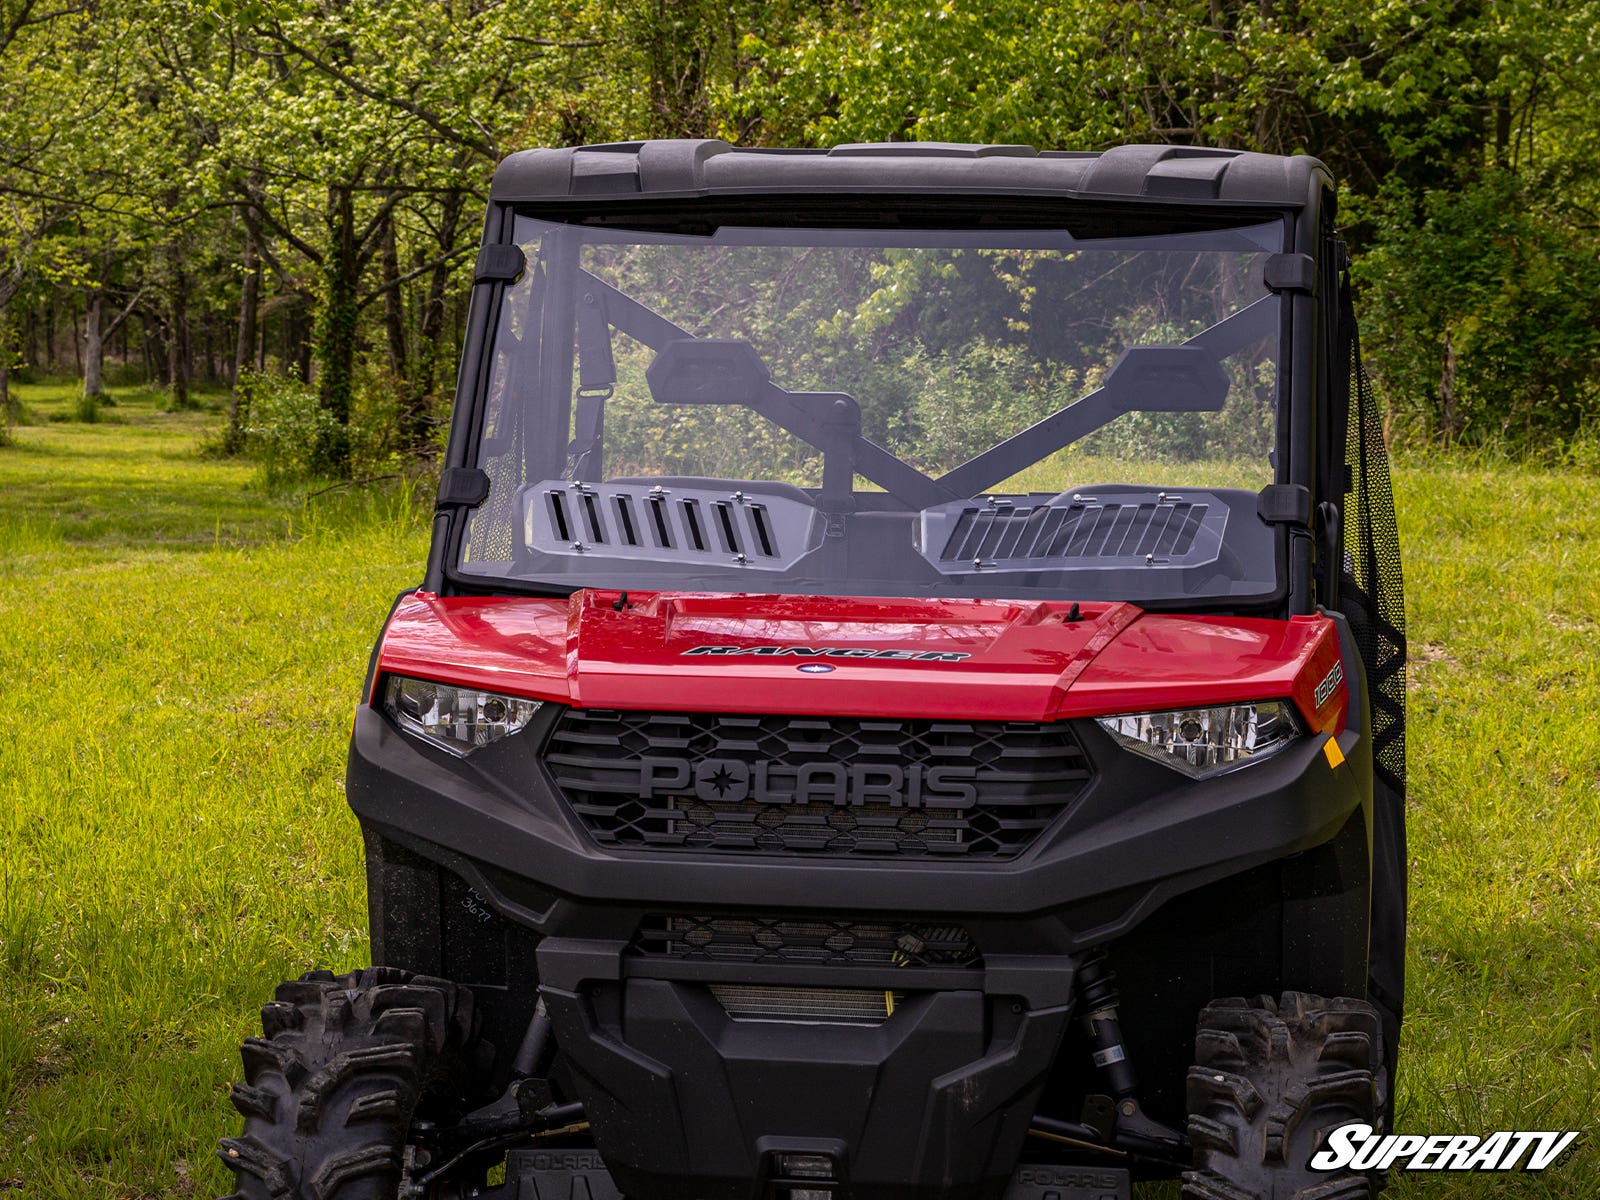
point(499, 263)
point(462, 487)
point(1291, 273)
point(1285, 504)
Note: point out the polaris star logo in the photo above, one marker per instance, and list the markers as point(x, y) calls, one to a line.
point(828, 652)
point(1325, 689)
point(1358, 1148)
point(815, 668)
point(763, 781)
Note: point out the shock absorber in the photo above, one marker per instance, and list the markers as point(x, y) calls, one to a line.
point(1097, 993)
point(1128, 1124)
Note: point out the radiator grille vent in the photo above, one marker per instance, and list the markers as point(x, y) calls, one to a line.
point(811, 1006)
point(814, 786)
point(823, 941)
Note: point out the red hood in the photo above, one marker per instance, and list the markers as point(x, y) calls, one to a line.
point(975, 659)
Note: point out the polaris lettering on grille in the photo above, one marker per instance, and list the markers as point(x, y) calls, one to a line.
point(833, 787)
point(828, 652)
point(733, 781)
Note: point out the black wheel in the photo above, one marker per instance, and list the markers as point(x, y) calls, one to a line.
point(1271, 1081)
point(347, 1064)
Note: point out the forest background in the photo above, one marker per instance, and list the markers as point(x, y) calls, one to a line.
point(279, 198)
point(235, 246)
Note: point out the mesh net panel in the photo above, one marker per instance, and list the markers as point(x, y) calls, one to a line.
point(1372, 595)
point(494, 521)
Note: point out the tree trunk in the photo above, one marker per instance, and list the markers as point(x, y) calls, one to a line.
point(335, 341)
point(413, 415)
point(295, 339)
point(432, 351)
point(394, 321)
point(94, 346)
point(8, 413)
point(245, 345)
point(1502, 132)
point(177, 326)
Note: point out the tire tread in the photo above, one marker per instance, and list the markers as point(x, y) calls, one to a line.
point(1271, 1078)
point(330, 1091)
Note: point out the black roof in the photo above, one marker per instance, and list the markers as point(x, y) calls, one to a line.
point(688, 168)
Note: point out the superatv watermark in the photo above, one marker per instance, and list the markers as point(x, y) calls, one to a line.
point(1359, 1147)
point(829, 652)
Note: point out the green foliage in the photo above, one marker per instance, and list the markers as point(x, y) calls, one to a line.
point(1484, 319)
point(156, 154)
point(287, 428)
point(377, 443)
point(284, 426)
point(973, 398)
point(1463, 137)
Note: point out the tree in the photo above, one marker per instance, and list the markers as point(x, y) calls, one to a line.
point(37, 144)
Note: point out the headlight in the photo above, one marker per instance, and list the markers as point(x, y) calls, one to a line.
point(1207, 741)
point(457, 719)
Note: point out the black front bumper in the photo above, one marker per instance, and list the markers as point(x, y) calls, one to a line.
point(1138, 835)
point(686, 1101)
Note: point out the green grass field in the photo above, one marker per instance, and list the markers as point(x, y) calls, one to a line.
point(180, 654)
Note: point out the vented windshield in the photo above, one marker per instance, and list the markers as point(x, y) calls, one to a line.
point(883, 411)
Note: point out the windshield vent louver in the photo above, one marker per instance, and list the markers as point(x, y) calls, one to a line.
point(1132, 529)
point(658, 521)
point(1075, 531)
point(691, 522)
point(667, 524)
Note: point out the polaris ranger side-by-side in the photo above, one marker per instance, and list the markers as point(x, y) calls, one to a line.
point(906, 701)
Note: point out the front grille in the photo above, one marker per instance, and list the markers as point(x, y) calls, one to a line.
point(814, 785)
point(822, 941)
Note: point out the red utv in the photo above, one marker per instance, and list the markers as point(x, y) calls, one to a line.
point(906, 700)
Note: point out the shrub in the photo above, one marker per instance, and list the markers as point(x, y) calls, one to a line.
point(283, 425)
point(966, 402)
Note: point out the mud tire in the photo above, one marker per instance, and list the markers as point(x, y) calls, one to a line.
point(346, 1064)
point(1271, 1080)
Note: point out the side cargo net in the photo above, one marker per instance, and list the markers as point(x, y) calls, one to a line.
point(1373, 600)
point(1373, 596)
